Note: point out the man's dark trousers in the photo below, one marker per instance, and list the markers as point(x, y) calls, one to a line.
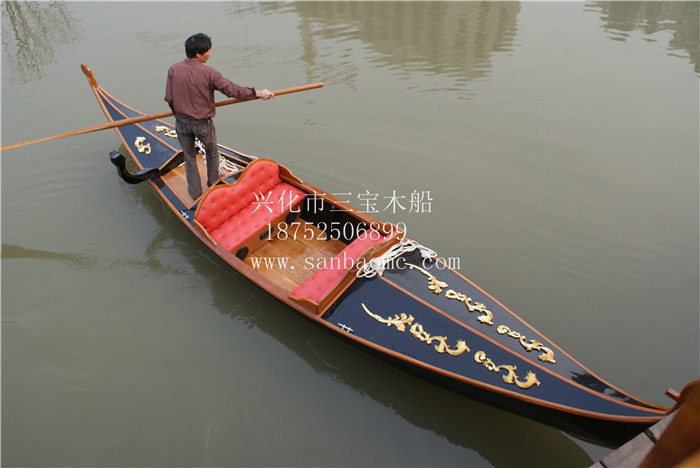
point(187, 130)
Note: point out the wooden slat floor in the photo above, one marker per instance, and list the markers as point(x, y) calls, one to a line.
point(177, 181)
point(291, 258)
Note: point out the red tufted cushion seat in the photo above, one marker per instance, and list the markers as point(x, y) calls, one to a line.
point(322, 281)
point(231, 214)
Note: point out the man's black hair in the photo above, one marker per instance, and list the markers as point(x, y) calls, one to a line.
point(197, 44)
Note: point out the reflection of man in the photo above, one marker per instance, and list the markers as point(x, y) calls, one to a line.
point(189, 91)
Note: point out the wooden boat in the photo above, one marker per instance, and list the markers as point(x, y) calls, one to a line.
point(362, 281)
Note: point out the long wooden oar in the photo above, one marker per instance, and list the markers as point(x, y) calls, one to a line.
point(159, 115)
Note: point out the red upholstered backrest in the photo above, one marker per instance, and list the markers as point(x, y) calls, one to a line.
point(224, 202)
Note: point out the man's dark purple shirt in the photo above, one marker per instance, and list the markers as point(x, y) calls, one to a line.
point(190, 88)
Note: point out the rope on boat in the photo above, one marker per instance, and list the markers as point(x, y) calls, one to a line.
point(377, 265)
point(225, 166)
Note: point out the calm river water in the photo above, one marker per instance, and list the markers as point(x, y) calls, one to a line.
point(554, 151)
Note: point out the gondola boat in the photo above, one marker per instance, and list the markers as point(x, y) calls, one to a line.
point(362, 281)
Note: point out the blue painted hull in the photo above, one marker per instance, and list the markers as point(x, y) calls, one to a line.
point(421, 316)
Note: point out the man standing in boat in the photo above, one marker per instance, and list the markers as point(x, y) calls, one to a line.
point(189, 91)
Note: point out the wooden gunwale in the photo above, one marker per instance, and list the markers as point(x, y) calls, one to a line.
point(548, 370)
point(559, 349)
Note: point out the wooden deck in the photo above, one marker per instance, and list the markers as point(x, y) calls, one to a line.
point(176, 180)
point(292, 256)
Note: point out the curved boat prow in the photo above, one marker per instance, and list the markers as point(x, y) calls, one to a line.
point(88, 73)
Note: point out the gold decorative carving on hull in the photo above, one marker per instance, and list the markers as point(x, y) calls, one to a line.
point(437, 286)
point(486, 315)
point(434, 284)
point(509, 375)
point(169, 132)
point(401, 321)
point(442, 346)
point(547, 354)
point(142, 146)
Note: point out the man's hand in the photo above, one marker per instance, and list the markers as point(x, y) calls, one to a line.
point(264, 94)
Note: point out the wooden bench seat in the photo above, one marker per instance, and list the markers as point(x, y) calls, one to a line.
point(318, 285)
point(233, 214)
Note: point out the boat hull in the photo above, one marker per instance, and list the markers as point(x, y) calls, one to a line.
point(599, 431)
point(407, 318)
point(418, 315)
